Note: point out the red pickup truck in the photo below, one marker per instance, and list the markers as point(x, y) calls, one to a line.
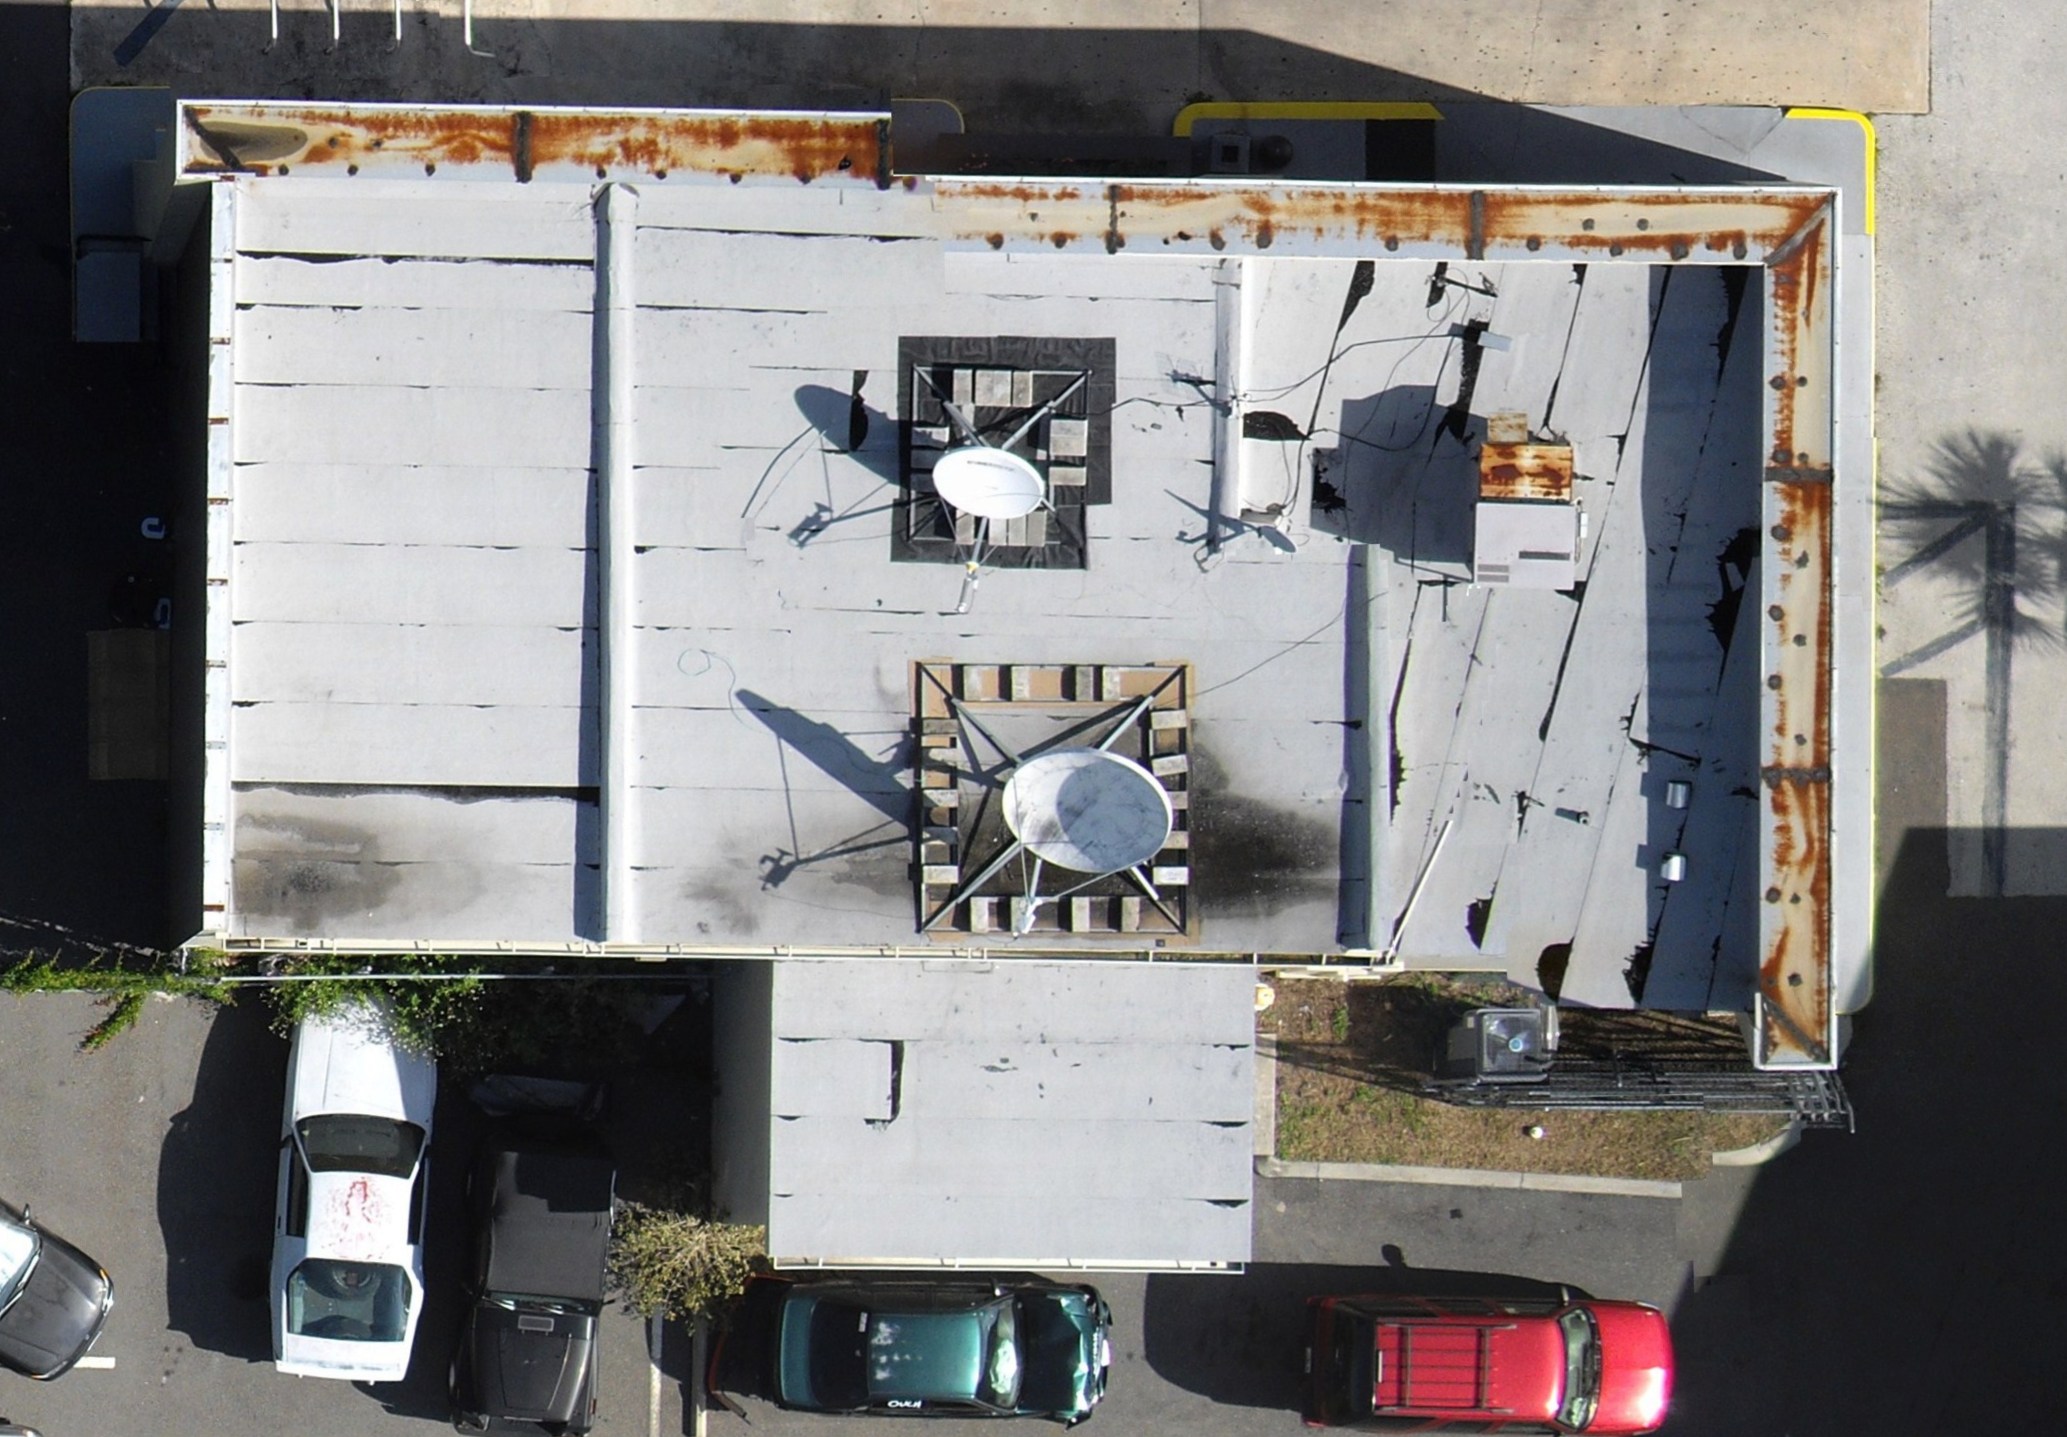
point(1537, 1365)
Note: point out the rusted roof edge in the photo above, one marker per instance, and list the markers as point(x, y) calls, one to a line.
point(1209, 214)
point(527, 143)
point(1794, 1007)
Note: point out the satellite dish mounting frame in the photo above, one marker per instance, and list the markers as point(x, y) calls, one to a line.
point(995, 777)
point(979, 546)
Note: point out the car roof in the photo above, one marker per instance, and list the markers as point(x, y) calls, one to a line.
point(548, 1209)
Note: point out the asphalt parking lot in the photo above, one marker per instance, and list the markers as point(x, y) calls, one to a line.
point(156, 1155)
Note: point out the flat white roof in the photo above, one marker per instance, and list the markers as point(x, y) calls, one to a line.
point(562, 601)
point(1020, 1114)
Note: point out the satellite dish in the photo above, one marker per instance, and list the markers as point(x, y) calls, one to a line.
point(1086, 809)
point(988, 483)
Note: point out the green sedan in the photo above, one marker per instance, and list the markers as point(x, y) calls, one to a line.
point(925, 1348)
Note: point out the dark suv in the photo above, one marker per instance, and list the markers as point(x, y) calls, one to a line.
point(527, 1357)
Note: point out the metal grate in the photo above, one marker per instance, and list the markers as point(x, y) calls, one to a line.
point(1815, 1099)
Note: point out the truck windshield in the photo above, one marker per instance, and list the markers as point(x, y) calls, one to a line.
point(348, 1301)
point(1344, 1376)
point(348, 1142)
point(1582, 1368)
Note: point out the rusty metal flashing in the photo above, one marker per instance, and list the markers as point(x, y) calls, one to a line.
point(1714, 225)
point(537, 144)
point(1794, 1021)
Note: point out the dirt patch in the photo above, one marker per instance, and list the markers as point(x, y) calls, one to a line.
point(1351, 1054)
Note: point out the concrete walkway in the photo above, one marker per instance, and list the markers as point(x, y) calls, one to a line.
point(1025, 64)
point(1973, 482)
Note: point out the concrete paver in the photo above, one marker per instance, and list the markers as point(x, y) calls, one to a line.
point(1971, 368)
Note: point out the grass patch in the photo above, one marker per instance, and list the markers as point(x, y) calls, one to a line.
point(1349, 1056)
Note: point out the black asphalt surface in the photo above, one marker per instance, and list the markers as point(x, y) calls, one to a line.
point(87, 452)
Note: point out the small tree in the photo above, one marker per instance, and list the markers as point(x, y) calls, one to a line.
point(681, 1266)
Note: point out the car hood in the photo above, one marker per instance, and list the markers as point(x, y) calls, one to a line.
point(1636, 1368)
point(529, 1366)
point(345, 1361)
point(344, 1063)
point(58, 1313)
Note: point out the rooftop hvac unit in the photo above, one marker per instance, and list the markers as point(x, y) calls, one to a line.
point(1528, 528)
point(1501, 1045)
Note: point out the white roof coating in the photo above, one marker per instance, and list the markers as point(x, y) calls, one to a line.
point(1094, 1115)
point(560, 603)
point(414, 640)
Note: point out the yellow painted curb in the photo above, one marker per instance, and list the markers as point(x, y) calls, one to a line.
point(1812, 112)
point(1302, 110)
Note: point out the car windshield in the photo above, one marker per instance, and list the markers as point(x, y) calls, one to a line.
point(1582, 1367)
point(1058, 1341)
point(349, 1142)
point(18, 1248)
point(1001, 1358)
point(348, 1301)
point(530, 1302)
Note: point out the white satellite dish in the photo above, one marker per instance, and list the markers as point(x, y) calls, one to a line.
point(1086, 809)
point(986, 480)
point(988, 483)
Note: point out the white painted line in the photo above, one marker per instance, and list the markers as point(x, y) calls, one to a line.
point(699, 1410)
point(653, 1341)
point(105, 1364)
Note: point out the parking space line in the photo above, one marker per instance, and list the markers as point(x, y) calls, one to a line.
point(653, 1342)
point(105, 1364)
point(699, 1410)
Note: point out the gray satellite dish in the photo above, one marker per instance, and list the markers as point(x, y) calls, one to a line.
point(989, 483)
point(1086, 809)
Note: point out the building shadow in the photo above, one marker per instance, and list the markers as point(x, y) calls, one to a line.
point(1697, 738)
point(1907, 1279)
point(1402, 475)
point(1240, 1340)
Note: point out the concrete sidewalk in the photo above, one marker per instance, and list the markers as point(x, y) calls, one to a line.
point(1024, 64)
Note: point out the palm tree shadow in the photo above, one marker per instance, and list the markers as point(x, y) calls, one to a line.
point(1986, 522)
